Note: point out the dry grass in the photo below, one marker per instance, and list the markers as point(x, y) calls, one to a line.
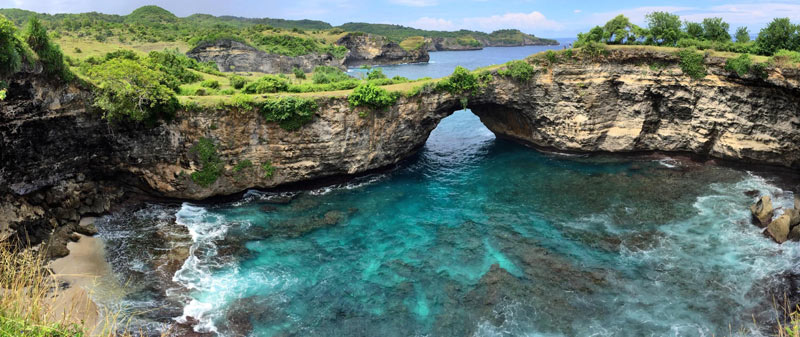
point(90, 47)
point(31, 303)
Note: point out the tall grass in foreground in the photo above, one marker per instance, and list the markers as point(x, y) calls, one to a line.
point(29, 296)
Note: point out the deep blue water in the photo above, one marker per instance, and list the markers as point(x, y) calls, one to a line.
point(475, 236)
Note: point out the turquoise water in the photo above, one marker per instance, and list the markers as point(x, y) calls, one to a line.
point(474, 236)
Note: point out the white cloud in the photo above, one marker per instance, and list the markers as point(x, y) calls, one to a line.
point(533, 21)
point(415, 3)
point(577, 11)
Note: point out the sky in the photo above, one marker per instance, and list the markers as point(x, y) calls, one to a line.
point(563, 18)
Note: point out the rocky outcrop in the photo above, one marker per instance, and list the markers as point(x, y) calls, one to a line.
point(762, 211)
point(232, 55)
point(448, 44)
point(368, 49)
point(618, 104)
point(779, 228)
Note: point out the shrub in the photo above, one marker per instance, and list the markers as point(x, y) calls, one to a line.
point(551, 57)
point(689, 43)
point(760, 70)
point(129, 89)
point(372, 96)
point(462, 80)
point(175, 65)
point(691, 63)
point(200, 92)
point(228, 91)
point(50, 55)
point(122, 53)
point(210, 165)
point(237, 81)
point(327, 74)
point(269, 170)
point(213, 84)
point(291, 113)
point(594, 50)
point(298, 73)
point(267, 84)
point(242, 165)
point(243, 102)
point(519, 70)
point(11, 48)
point(784, 56)
point(375, 74)
point(740, 65)
point(3, 94)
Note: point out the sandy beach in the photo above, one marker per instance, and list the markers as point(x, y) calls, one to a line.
point(81, 272)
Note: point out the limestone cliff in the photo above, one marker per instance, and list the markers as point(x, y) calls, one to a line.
point(232, 55)
point(368, 49)
point(59, 160)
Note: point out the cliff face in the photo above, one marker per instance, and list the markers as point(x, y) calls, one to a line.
point(236, 56)
point(377, 50)
point(60, 161)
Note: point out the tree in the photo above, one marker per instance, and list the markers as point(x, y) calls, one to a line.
point(130, 89)
point(594, 35)
point(779, 34)
point(693, 29)
point(716, 30)
point(664, 28)
point(620, 30)
point(742, 34)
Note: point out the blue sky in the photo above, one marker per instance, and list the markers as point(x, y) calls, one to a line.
point(543, 18)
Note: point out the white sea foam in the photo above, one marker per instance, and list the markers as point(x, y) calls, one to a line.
point(669, 162)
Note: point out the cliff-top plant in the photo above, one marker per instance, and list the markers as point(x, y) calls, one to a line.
point(50, 55)
point(375, 74)
point(372, 96)
point(459, 82)
point(12, 50)
point(298, 73)
point(328, 74)
point(692, 63)
point(213, 84)
point(519, 70)
point(593, 50)
point(129, 89)
point(290, 112)
point(237, 82)
point(740, 65)
point(267, 84)
point(205, 153)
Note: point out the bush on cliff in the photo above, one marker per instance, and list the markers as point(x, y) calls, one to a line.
point(238, 82)
point(175, 65)
point(519, 70)
point(740, 65)
point(291, 113)
point(372, 96)
point(692, 63)
point(267, 84)
point(461, 81)
point(49, 54)
point(129, 89)
point(205, 153)
point(328, 74)
point(12, 50)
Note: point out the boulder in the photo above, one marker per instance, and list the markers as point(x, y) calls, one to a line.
point(779, 228)
point(794, 234)
point(762, 211)
point(797, 201)
point(794, 216)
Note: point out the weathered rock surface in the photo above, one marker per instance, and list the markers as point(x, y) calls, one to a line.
point(762, 211)
point(368, 49)
point(779, 228)
point(236, 56)
point(50, 136)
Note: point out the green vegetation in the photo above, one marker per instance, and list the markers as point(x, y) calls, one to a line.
point(269, 170)
point(242, 165)
point(3, 93)
point(461, 81)
point(12, 49)
point(399, 33)
point(213, 84)
point(664, 29)
point(238, 82)
point(594, 50)
point(375, 74)
point(267, 84)
point(786, 56)
point(740, 65)
point(130, 89)
point(413, 43)
point(692, 63)
point(49, 54)
point(291, 113)
point(243, 102)
point(211, 166)
point(371, 96)
point(519, 70)
point(298, 73)
point(327, 74)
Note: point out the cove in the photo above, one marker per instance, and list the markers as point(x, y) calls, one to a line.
point(474, 236)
